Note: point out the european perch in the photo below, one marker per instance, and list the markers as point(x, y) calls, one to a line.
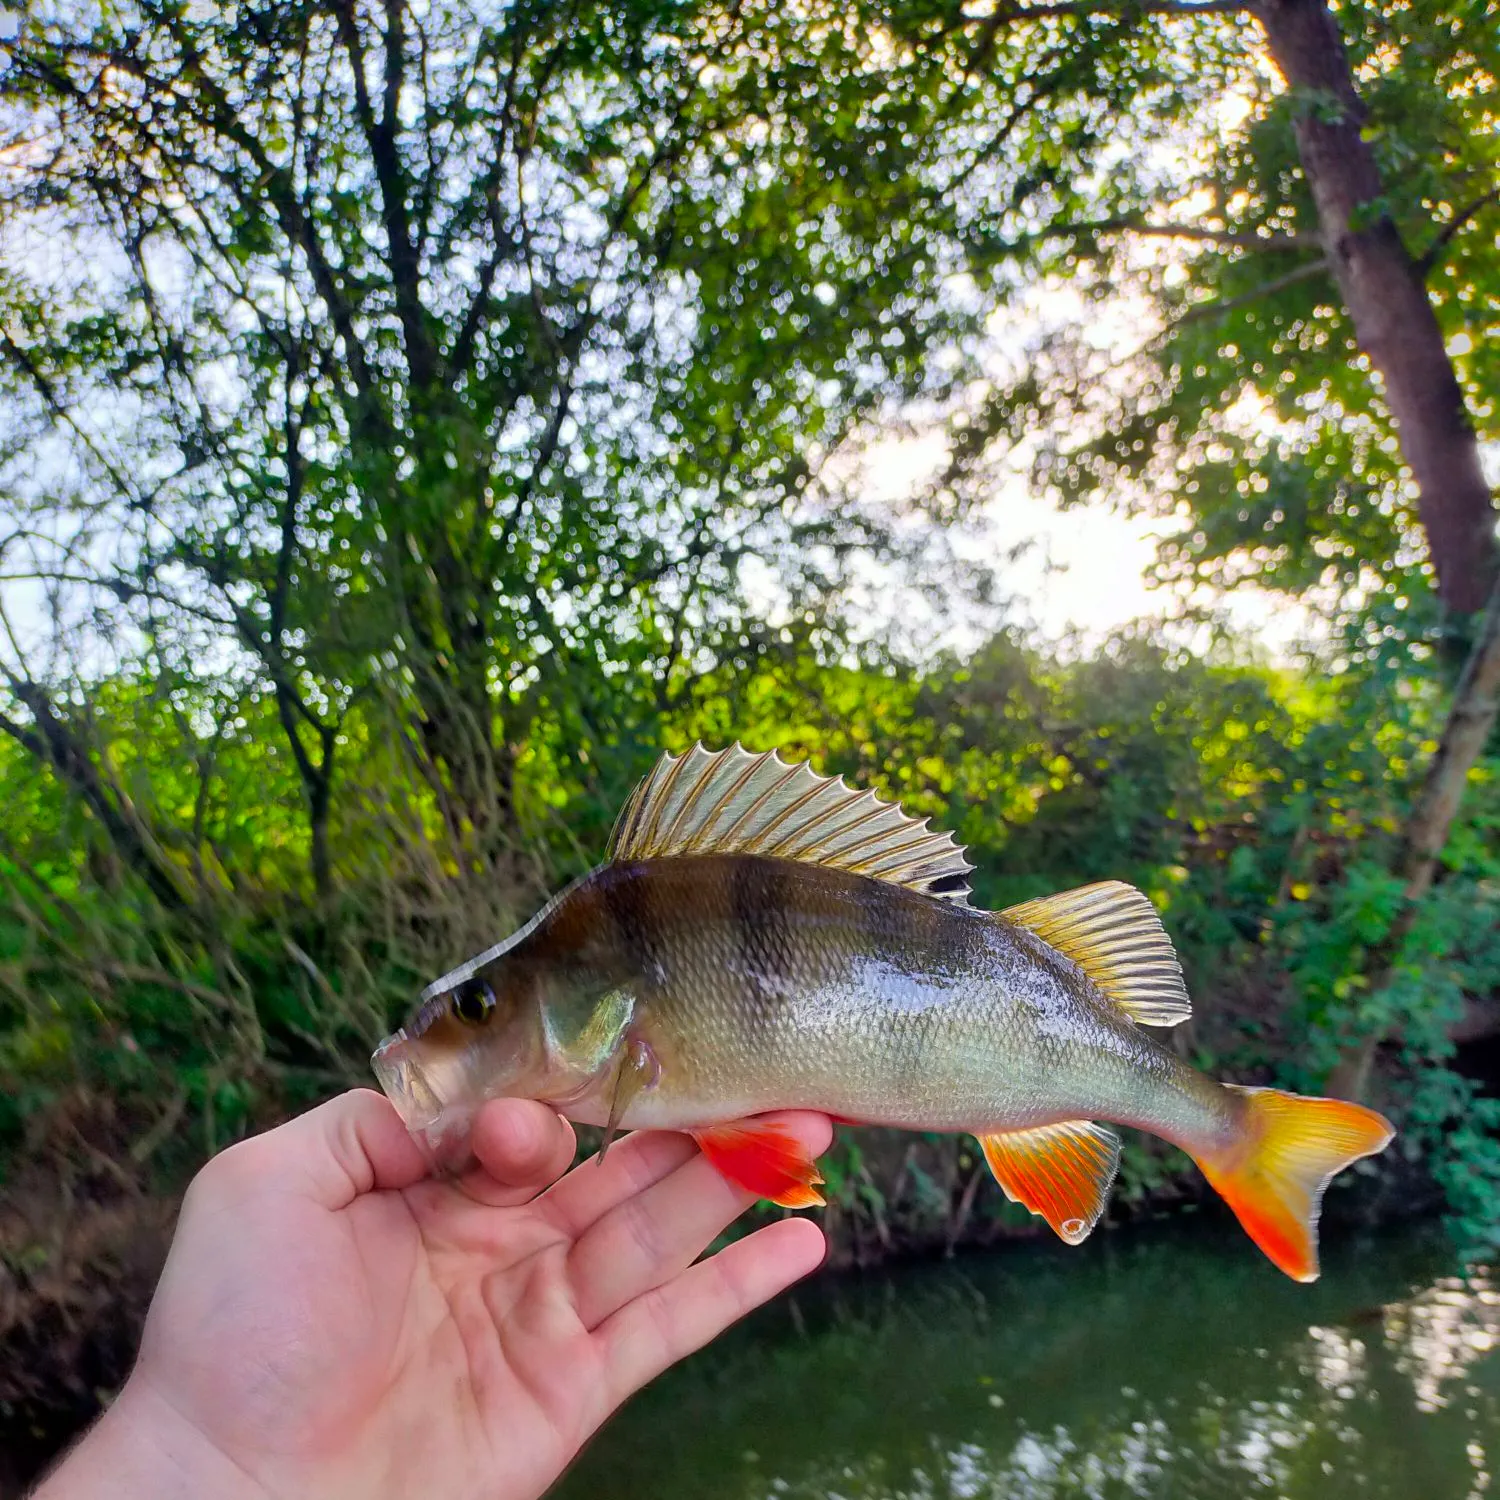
point(763, 938)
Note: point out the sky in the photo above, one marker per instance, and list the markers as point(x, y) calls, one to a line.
point(1083, 571)
point(1084, 568)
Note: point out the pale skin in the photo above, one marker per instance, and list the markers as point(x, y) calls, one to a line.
point(331, 1322)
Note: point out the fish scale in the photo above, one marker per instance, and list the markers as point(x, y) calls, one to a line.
point(878, 1005)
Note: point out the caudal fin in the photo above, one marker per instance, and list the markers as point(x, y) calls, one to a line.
point(1273, 1177)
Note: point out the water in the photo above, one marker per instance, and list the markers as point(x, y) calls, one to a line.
point(1167, 1365)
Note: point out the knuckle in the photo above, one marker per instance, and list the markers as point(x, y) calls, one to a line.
point(659, 1325)
point(229, 1165)
point(644, 1231)
point(732, 1286)
point(234, 1169)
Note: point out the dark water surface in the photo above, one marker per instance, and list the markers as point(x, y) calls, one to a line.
point(1173, 1364)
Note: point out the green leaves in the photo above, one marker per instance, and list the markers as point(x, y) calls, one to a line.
point(459, 387)
point(1243, 405)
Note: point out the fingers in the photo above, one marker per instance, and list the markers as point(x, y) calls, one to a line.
point(357, 1143)
point(654, 1235)
point(671, 1321)
point(630, 1166)
point(521, 1147)
point(349, 1146)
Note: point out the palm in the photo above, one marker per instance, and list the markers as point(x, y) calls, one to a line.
point(462, 1338)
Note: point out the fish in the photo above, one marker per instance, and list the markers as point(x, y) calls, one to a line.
point(761, 938)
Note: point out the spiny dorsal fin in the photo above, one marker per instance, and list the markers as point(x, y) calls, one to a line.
point(1062, 1172)
point(1114, 935)
point(733, 802)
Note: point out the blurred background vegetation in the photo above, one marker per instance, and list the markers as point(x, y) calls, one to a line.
point(415, 416)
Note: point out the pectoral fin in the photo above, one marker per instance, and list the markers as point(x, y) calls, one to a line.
point(1062, 1172)
point(764, 1158)
point(637, 1072)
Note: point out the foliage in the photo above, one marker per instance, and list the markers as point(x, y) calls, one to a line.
point(489, 358)
point(1247, 410)
point(1233, 793)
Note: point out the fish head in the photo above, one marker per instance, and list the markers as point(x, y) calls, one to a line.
point(481, 1037)
point(512, 1027)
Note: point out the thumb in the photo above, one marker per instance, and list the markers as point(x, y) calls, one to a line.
point(351, 1145)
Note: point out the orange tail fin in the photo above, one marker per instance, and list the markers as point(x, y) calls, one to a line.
point(1273, 1177)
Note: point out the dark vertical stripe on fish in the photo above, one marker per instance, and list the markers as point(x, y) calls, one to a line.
point(627, 909)
point(759, 922)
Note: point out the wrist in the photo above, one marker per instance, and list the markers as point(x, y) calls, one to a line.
point(143, 1446)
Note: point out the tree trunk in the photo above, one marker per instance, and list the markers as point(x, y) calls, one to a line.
point(1396, 326)
point(1476, 702)
point(1382, 288)
point(1476, 705)
point(53, 742)
point(471, 766)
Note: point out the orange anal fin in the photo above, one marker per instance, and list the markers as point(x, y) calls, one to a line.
point(1062, 1172)
point(764, 1158)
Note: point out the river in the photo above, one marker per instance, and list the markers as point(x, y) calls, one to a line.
point(1168, 1362)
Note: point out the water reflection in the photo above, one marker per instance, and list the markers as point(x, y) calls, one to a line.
point(1143, 1366)
point(1442, 1331)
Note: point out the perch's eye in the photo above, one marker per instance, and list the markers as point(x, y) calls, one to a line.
point(474, 1002)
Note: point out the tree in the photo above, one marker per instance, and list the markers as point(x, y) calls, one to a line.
point(1251, 402)
point(461, 359)
point(1382, 286)
point(1255, 388)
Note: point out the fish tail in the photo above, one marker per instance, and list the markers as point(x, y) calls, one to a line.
point(1273, 1175)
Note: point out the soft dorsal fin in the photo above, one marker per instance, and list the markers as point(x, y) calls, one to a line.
point(733, 802)
point(1062, 1172)
point(1112, 932)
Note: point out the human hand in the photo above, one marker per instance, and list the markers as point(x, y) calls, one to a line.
point(330, 1322)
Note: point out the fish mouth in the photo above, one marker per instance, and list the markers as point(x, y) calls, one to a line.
point(441, 1131)
point(405, 1084)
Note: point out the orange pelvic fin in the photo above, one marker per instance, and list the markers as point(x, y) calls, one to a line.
point(1273, 1177)
point(1062, 1172)
point(764, 1158)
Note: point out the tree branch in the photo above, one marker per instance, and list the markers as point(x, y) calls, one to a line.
point(380, 136)
point(51, 740)
point(1125, 9)
point(506, 244)
point(1433, 253)
point(297, 224)
point(1265, 289)
point(1236, 239)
